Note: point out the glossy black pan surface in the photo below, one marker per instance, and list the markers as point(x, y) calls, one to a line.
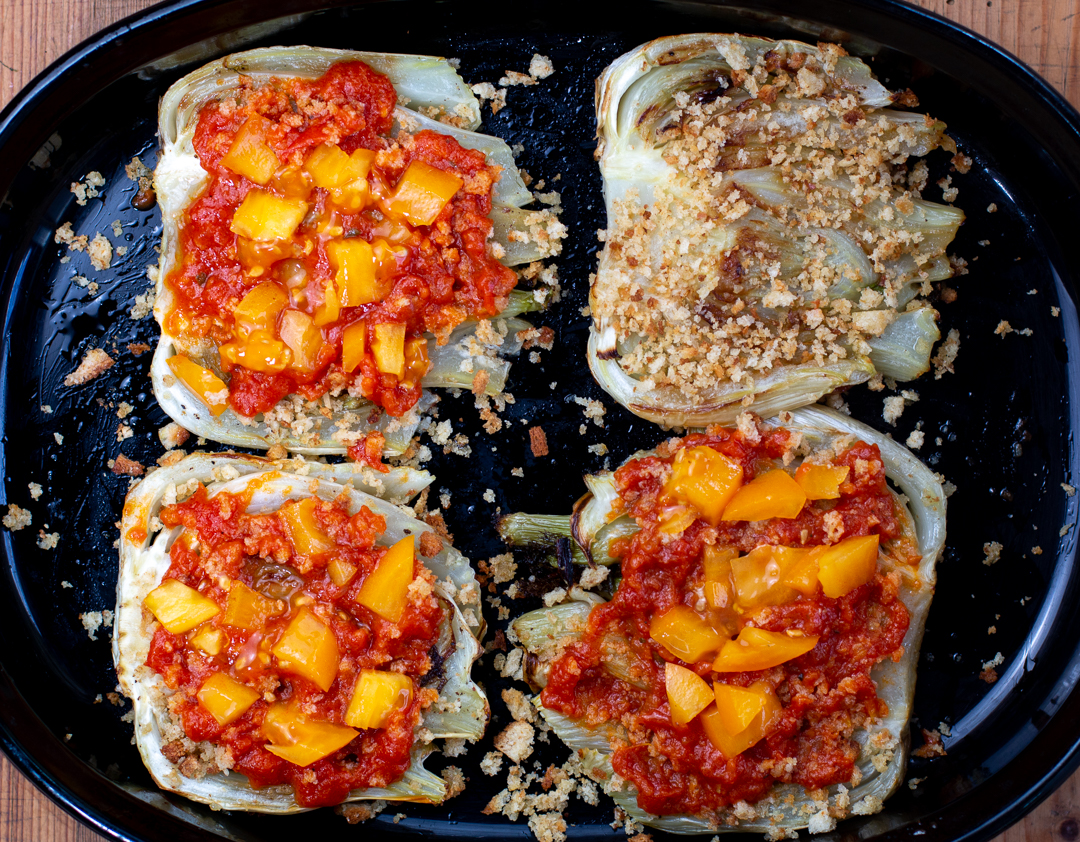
point(1001, 428)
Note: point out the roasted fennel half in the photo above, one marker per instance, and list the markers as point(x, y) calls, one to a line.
point(431, 97)
point(756, 587)
point(461, 710)
point(766, 240)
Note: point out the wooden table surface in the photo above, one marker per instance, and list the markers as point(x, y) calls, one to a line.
point(33, 33)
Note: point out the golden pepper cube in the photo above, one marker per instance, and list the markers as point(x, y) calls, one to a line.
point(303, 527)
point(386, 589)
point(250, 155)
point(303, 338)
point(259, 308)
point(738, 706)
point(248, 609)
point(802, 573)
point(685, 634)
point(353, 345)
point(687, 692)
point(821, 482)
point(757, 706)
point(388, 348)
point(353, 261)
point(759, 649)
point(340, 571)
point(758, 576)
point(422, 193)
point(705, 479)
point(300, 740)
point(207, 386)
point(772, 494)
point(417, 362)
point(847, 565)
point(378, 693)
point(330, 310)
point(390, 258)
point(179, 608)
point(209, 639)
point(309, 649)
point(259, 351)
point(265, 217)
point(716, 562)
point(225, 698)
point(331, 167)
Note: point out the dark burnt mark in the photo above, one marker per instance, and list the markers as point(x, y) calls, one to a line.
point(607, 354)
point(853, 116)
point(795, 61)
point(772, 61)
point(566, 559)
point(648, 115)
point(436, 677)
point(905, 98)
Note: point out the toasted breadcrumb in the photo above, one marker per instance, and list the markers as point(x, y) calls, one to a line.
point(100, 251)
point(538, 441)
point(360, 811)
point(35, 491)
point(93, 364)
point(48, 540)
point(143, 306)
point(945, 357)
point(94, 620)
point(124, 466)
point(88, 187)
point(16, 518)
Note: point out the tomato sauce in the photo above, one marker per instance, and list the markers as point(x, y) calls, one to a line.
point(444, 274)
point(826, 693)
point(222, 545)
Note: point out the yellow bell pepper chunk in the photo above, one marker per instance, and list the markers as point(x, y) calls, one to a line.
point(417, 362)
point(353, 344)
point(248, 609)
point(801, 573)
point(675, 520)
point(773, 494)
point(259, 351)
point(330, 310)
point(741, 718)
point(178, 607)
point(685, 634)
point(250, 155)
point(264, 216)
point(386, 589)
point(308, 648)
point(378, 693)
point(340, 571)
point(300, 740)
point(209, 639)
point(844, 566)
point(758, 649)
point(718, 581)
point(388, 347)
point(259, 308)
point(390, 259)
point(353, 261)
point(331, 167)
point(759, 575)
point(225, 698)
point(821, 482)
point(688, 693)
point(705, 479)
point(422, 193)
point(304, 340)
point(303, 527)
point(207, 386)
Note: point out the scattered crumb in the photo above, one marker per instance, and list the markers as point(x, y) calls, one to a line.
point(894, 408)
point(123, 466)
point(172, 436)
point(992, 207)
point(516, 741)
point(35, 490)
point(538, 441)
point(88, 187)
point(993, 552)
point(16, 518)
point(48, 540)
point(946, 354)
point(93, 363)
point(1068, 489)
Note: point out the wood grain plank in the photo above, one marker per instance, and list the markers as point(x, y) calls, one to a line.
point(33, 33)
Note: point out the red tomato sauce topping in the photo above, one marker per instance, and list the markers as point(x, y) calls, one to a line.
point(351, 244)
point(264, 571)
point(826, 693)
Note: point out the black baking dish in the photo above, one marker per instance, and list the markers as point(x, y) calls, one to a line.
point(1001, 429)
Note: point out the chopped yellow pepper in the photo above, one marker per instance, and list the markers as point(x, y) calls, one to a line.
point(704, 479)
point(772, 494)
point(299, 333)
point(300, 740)
point(685, 634)
point(303, 527)
point(207, 386)
point(353, 344)
point(309, 649)
point(758, 649)
point(331, 167)
point(259, 308)
point(386, 589)
point(340, 571)
point(353, 261)
point(179, 608)
point(844, 566)
point(259, 351)
point(250, 155)
point(225, 698)
point(687, 692)
point(718, 581)
point(378, 693)
point(759, 575)
point(388, 346)
point(741, 718)
point(265, 217)
point(821, 482)
point(209, 639)
point(422, 193)
point(248, 609)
